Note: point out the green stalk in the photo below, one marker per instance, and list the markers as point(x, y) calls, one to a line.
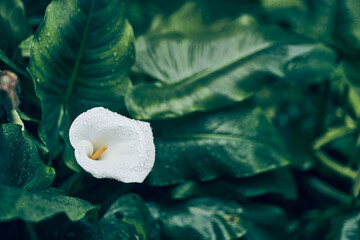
point(328, 190)
point(333, 134)
point(334, 166)
point(75, 183)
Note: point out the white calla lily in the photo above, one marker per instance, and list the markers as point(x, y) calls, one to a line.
point(130, 152)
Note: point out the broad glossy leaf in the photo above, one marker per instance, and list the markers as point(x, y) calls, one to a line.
point(236, 142)
point(14, 29)
point(79, 59)
point(127, 218)
point(24, 179)
point(201, 72)
point(274, 182)
point(200, 218)
point(35, 206)
point(20, 164)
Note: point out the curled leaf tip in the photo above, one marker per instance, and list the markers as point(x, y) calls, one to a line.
point(126, 150)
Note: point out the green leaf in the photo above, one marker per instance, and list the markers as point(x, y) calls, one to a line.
point(268, 222)
point(201, 72)
point(35, 206)
point(334, 21)
point(276, 182)
point(12, 22)
point(345, 227)
point(24, 180)
point(200, 218)
point(236, 142)
point(188, 20)
point(20, 164)
point(79, 59)
point(127, 218)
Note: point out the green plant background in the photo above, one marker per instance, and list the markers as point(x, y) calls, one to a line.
point(254, 106)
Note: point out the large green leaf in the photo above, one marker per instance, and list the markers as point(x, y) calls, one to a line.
point(200, 218)
point(79, 59)
point(13, 25)
point(201, 72)
point(24, 179)
point(127, 218)
point(277, 182)
point(237, 142)
point(20, 164)
point(35, 206)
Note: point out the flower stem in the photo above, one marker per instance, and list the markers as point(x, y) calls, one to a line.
point(75, 183)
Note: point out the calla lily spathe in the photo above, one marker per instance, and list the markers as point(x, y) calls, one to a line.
point(130, 153)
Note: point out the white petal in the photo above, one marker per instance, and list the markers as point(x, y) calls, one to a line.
point(131, 151)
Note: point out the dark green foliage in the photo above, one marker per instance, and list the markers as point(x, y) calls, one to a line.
point(24, 182)
point(254, 107)
point(14, 28)
point(235, 142)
